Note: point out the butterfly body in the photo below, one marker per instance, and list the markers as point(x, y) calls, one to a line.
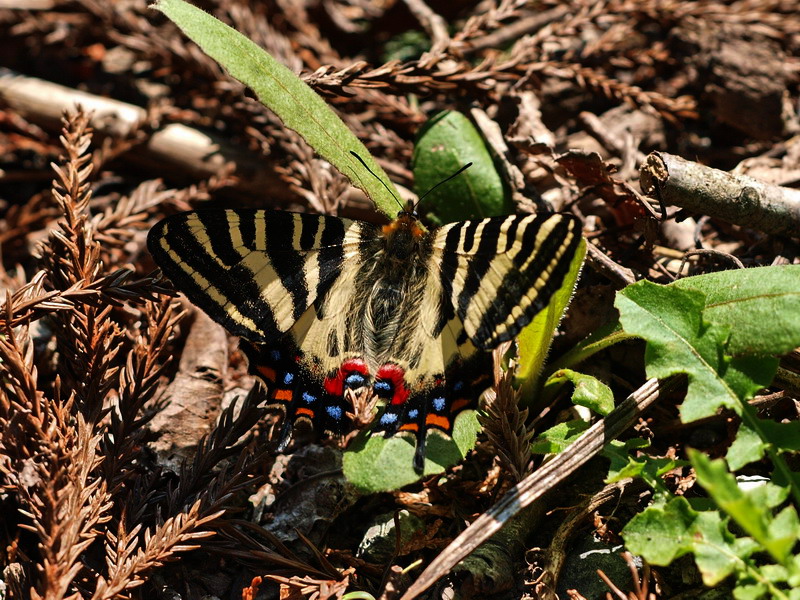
point(326, 305)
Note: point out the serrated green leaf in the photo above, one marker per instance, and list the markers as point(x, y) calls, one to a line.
point(589, 391)
point(754, 591)
point(714, 548)
point(557, 438)
point(373, 463)
point(444, 144)
point(759, 305)
point(296, 104)
point(661, 534)
point(679, 340)
point(747, 447)
point(650, 469)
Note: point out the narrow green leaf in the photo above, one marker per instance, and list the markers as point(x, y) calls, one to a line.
point(296, 104)
point(536, 337)
point(444, 144)
point(374, 463)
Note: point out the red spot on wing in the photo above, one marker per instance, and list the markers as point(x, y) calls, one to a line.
point(283, 395)
point(334, 384)
point(396, 376)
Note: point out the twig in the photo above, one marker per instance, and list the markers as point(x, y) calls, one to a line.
point(538, 482)
point(734, 198)
point(604, 265)
point(176, 146)
point(515, 30)
point(434, 24)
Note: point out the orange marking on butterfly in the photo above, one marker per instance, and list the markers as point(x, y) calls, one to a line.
point(304, 412)
point(283, 395)
point(409, 427)
point(438, 421)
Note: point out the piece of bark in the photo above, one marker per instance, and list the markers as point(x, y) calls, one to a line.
point(743, 73)
point(733, 198)
point(195, 395)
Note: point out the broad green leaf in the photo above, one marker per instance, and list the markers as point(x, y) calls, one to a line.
point(589, 391)
point(374, 463)
point(296, 104)
point(785, 436)
point(536, 337)
point(444, 144)
point(760, 306)
point(661, 534)
point(557, 438)
point(679, 340)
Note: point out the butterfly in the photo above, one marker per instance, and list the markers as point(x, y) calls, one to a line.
point(327, 305)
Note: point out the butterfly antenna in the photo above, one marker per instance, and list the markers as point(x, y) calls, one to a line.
point(383, 183)
point(454, 175)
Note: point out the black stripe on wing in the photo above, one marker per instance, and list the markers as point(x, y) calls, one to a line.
point(498, 273)
point(253, 271)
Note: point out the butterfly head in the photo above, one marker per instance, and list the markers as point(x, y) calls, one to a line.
point(405, 233)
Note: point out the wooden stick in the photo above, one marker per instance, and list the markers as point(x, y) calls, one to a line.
point(733, 198)
point(176, 146)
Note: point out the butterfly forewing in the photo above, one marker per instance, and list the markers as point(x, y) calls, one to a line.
point(498, 273)
point(254, 271)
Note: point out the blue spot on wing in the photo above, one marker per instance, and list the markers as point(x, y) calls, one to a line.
point(334, 411)
point(413, 413)
point(275, 355)
point(309, 398)
point(439, 404)
point(288, 378)
point(354, 380)
point(382, 386)
point(388, 419)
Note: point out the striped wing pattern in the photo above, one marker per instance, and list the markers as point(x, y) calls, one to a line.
point(325, 305)
point(254, 284)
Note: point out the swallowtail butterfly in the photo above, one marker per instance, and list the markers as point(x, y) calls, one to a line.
point(325, 304)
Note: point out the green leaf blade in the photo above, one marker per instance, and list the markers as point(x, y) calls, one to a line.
point(374, 463)
point(296, 104)
point(444, 144)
